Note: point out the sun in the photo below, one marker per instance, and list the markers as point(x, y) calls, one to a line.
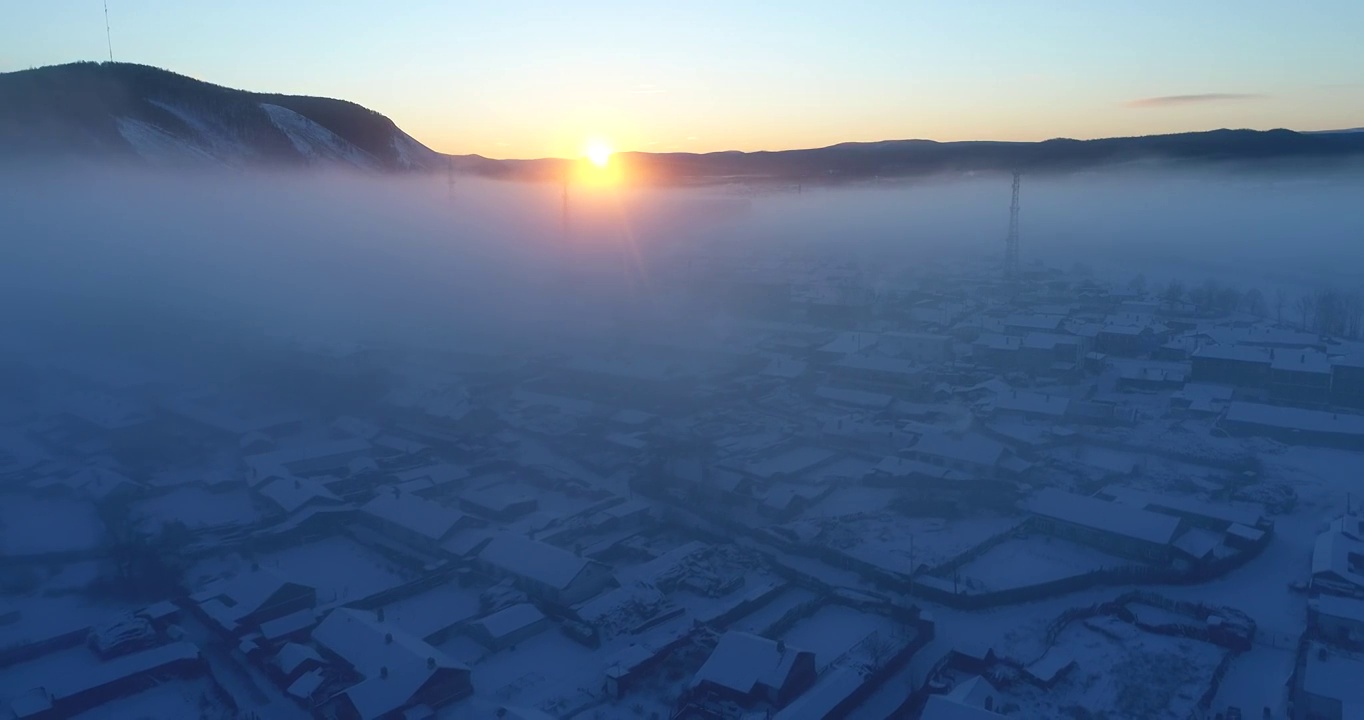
point(598, 153)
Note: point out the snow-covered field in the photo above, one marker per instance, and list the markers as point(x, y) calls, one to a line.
point(32, 526)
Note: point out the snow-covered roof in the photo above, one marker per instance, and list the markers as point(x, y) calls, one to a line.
point(1338, 607)
point(970, 447)
point(791, 461)
point(879, 364)
point(861, 398)
point(1334, 674)
point(742, 661)
point(395, 664)
point(1291, 418)
point(249, 591)
point(292, 493)
point(534, 560)
point(439, 474)
point(896, 466)
point(1198, 543)
point(1104, 516)
point(508, 620)
point(1303, 361)
point(940, 707)
point(1032, 402)
point(1033, 322)
point(292, 656)
point(429, 519)
point(1238, 353)
point(820, 701)
point(1335, 553)
point(1157, 502)
point(306, 684)
point(850, 342)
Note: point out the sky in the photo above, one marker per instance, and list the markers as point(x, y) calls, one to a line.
point(525, 78)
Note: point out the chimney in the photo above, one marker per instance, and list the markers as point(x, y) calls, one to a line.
point(388, 638)
point(430, 663)
point(383, 672)
point(379, 614)
point(781, 647)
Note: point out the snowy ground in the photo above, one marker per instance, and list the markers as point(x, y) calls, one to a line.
point(549, 671)
point(833, 630)
point(1019, 562)
point(178, 699)
point(433, 610)
point(897, 543)
point(341, 569)
point(31, 526)
point(1125, 671)
point(761, 619)
point(197, 508)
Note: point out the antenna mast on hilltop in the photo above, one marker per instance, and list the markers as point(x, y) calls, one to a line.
point(108, 36)
point(1011, 243)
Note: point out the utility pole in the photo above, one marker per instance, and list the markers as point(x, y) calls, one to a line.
point(1011, 243)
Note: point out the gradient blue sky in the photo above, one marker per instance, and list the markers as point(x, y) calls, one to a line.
point(521, 78)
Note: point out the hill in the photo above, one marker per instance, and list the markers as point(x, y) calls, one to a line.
point(121, 110)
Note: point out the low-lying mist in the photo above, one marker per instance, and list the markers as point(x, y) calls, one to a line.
point(350, 257)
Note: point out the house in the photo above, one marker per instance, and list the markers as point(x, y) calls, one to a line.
point(1347, 380)
point(552, 573)
point(750, 669)
point(1024, 323)
point(1300, 376)
point(413, 519)
point(942, 707)
point(1032, 405)
point(287, 495)
point(1236, 365)
point(293, 660)
point(919, 347)
point(67, 694)
point(1328, 685)
point(878, 372)
point(96, 483)
point(970, 453)
point(1338, 619)
point(399, 672)
point(246, 601)
point(503, 501)
point(1338, 564)
point(508, 626)
point(1125, 340)
point(1295, 425)
point(328, 456)
point(1121, 529)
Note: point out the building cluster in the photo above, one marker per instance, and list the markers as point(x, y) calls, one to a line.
point(771, 491)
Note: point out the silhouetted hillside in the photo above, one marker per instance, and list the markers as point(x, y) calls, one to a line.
point(122, 110)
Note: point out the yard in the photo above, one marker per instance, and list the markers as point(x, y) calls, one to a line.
point(895, 543)
point(833, 630)
point(339, 568)
point(1020, 562)
point(1127, 672)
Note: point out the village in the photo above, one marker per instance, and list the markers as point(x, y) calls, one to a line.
point(781, 488)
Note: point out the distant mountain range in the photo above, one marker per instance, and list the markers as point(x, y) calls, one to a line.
point(141, 113)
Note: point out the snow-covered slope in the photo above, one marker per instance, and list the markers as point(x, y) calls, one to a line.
point(316, 143)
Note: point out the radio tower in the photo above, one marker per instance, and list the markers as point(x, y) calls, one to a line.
point(108, 36)
point(1011, 243)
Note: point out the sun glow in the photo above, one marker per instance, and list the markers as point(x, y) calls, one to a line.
point(598, 153)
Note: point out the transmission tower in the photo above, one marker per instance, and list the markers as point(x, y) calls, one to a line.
point(1011, 243)
point(108, 36)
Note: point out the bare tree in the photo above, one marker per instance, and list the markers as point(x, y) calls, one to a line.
point(1354, 314)
point(1174, 292)
point(1253, 302)
point(1280, 304)
point(1138, 285)
point(1307, 309)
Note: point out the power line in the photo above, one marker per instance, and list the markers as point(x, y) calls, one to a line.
point(108, 36)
